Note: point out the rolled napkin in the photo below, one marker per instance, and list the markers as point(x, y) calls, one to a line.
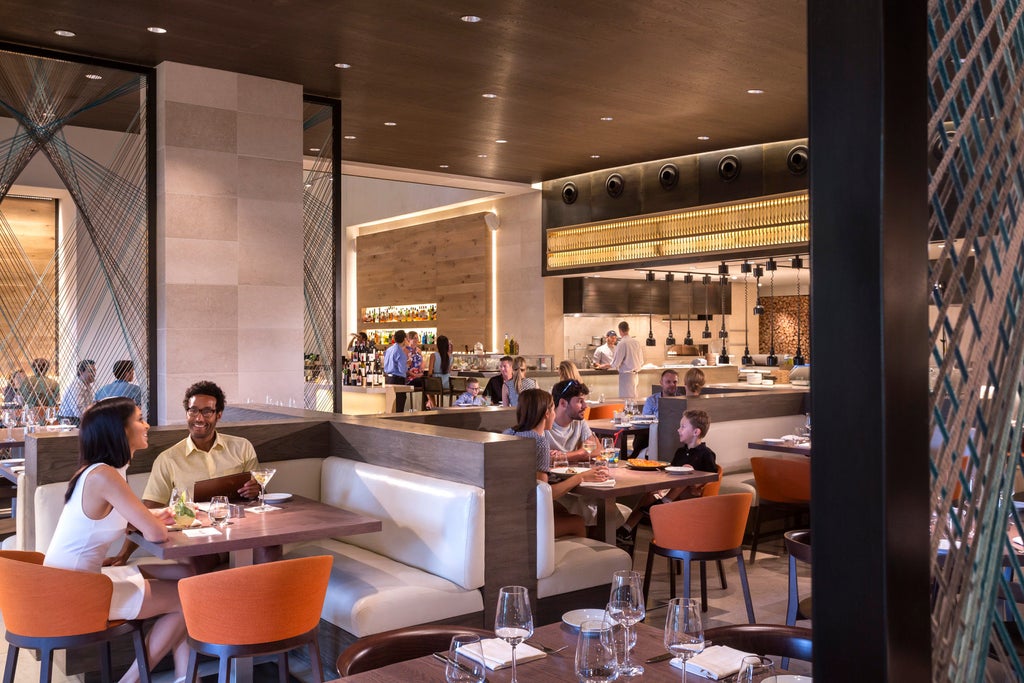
point(716, 662)
point(606, 484)
point(498, 654)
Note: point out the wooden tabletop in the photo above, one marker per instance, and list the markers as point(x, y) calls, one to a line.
point(629, 481)
point(557, 668)
point(17, 436)
point(780, 448)
point(299, 519)
point(609, 427)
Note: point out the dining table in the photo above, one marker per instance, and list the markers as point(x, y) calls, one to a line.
point(621, 432)
point(788, 447)
point(260, 536)
point(629, 481)
point(556, 668)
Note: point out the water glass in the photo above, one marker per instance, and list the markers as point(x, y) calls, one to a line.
point(218, 511)
point(755, 669)
point(464, 660)
point(559, 459)
point(596, 660)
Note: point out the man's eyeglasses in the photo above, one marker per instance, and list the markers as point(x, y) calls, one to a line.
point(205, 412)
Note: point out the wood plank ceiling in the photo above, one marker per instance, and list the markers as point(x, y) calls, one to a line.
point(665, 71)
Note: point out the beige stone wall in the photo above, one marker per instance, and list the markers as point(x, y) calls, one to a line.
point(229, 235)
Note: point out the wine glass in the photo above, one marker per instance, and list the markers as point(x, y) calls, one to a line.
point(51, 415)
point(589, 447)
point(514, 622)
point(465, 657)
point(8, 417)
point(626, 606)
point(218, 511)
point(754, 669)
point(262, 475)
point(684, 633)
point(595, 652)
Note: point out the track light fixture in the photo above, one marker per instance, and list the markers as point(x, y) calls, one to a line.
point(670, 340)
point(723, 334)
point(650, 311)
point(706, 334)
point(747, 359)
point(688, 339)
point(758, 274)
point(798, 357)
point(771, 267)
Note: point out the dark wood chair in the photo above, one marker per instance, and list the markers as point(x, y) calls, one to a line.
point(433, 387)
point(47, 609)
point(798, 544)
point(288, 596)
point(700, 529)
point(783, 489)
point(381, 649)
point(456, 387)
point(765, 639)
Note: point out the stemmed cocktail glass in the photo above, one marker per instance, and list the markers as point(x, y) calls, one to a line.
point(263, 476)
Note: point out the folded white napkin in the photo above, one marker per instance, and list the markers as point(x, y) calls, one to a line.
point(606, 484)
point(266, 508)
point(498, 653)
point(716, 662)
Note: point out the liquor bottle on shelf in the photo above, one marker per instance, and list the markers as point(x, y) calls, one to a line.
point(507, 348)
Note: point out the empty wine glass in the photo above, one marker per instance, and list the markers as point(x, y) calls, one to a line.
point(464, 660)
point(51, 415)
point(626, 606)
point(684, 632)
point(754, 669)
point(218, 511)
point(262, 475)
point(595, 652)
point(513, 622)
point(8, 417)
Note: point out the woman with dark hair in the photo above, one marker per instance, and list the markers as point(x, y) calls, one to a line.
point(440, 365)
point(535, 414)
point(98, 506)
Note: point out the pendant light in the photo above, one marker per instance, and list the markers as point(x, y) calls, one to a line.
point(746, 359)
point(688, 340)
point(706, 334)
point(758, 274)
point(650, 310)
point(771, 267)
point(798, 358)
point(670, 340)
point(723, 334)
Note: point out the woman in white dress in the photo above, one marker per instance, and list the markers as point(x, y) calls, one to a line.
point(97, 507)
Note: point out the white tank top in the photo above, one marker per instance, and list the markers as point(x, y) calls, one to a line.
point(81, 543)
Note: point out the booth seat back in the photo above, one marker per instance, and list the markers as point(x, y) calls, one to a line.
point(545, 531)
point(729, 439)
point(433, 524)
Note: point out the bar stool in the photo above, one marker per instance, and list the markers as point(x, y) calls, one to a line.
point(433, 387)
point(288, 597)
point(47, 609)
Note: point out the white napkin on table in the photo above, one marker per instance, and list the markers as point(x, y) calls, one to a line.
point(606, 484)
point(716, 662)
point(498, 653)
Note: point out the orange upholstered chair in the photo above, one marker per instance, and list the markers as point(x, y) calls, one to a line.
point(287, 598)
point(712, 488)
point(380, 649)
point(47, 609)
point(700, 529)
point(605, 411)
point(783, 485)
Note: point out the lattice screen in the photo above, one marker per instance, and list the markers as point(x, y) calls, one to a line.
point(976, 95)
point(93, 291)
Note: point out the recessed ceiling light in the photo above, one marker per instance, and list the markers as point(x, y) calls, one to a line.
point(443, 166)
point(314, 149)
point(501, 142)
point(342, 65)
point(703, 137)
point(156, 29)
point(350, 137)
point(94, 77)
point(390, 123)
point(64, 33)
point(595, 156)
point(489, 96)
point(482, 156)
point(755, 91)
point(607, 118)
point(470, 18)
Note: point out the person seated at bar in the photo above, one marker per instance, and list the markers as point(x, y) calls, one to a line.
point(204, 454)
point(98, 506)
point(569, 430)
point(517, 383)
point(693, 427)
point(78, 395)
point(40, 390)
point(471, 396)
point(604, 353)
point(669, 387)
point(124, 376)
point(534, 415)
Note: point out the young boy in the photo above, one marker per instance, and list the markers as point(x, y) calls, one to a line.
point(692, 451)
point(471, 396)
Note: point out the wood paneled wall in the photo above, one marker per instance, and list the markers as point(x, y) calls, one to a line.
point(446, 261)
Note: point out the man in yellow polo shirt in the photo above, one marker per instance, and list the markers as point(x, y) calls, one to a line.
point(204, 453)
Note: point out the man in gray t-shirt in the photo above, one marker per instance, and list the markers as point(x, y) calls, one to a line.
point(569, 430)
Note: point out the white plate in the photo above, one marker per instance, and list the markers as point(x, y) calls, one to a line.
point(788, 678)
point(569, 470)
point(681, 468)
point(578, 616)
point(770, 440)
point(275, 498)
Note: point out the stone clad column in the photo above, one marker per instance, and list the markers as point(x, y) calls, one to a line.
point(229, 236)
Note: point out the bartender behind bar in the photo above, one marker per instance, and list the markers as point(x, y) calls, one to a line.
point(605, 352)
